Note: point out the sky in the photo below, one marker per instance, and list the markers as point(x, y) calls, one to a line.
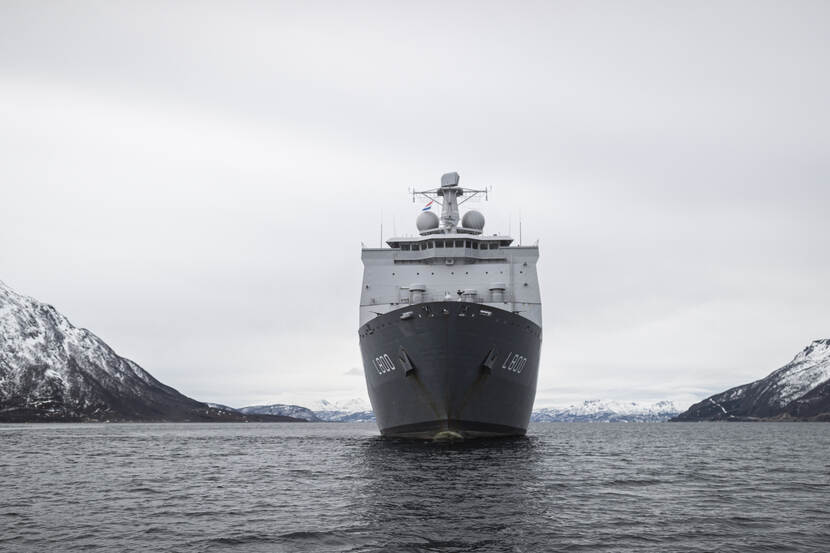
point(192, 181)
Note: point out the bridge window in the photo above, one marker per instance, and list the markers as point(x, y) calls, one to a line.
point(439, 243)
point(475, 245)
point(431, 244)
point(467, 243)
point(459, 243)
point(405, 247)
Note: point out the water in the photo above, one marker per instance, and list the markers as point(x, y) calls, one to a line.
point(339, 487)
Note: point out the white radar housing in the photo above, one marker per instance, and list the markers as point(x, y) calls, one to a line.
point(427, 220)
point(473, 220)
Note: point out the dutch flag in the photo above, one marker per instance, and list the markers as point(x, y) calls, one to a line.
point(428, 206)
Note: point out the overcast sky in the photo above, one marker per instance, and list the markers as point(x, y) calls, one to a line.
point(192, 181)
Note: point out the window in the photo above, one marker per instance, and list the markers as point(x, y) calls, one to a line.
point(494, 245)
point(431, 244)
point(467, 243)
point(439, 243)
point(405, 247)
point(459, 243)
point(475, 245)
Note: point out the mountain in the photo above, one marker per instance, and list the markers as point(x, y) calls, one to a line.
point(353, 410)
point(51, 370)
point(294, 411)
point(798, 390)
point(607, 411)
point(358, 410)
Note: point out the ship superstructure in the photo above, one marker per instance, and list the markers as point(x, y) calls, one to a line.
point(450, 325)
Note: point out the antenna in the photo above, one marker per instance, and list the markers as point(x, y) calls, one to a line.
point(380, 242)
point(520, 228)
point(449, 191)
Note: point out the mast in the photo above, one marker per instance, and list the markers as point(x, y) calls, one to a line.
point(449, 208)
point(449, 192)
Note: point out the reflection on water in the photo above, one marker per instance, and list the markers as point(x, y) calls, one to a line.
point(340, 487)
point(469, 495)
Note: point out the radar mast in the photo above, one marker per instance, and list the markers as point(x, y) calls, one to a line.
point(449, 191)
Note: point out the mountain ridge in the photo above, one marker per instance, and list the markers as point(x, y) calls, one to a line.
point(596, 410)
point(357, 410)
point(353, 410)
point(800, 390)
point(51, 370)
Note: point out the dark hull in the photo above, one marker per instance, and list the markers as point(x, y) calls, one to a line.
point(450, 369)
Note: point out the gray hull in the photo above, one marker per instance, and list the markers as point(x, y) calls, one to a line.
point(452, 369)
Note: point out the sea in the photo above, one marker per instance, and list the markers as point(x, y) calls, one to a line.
point(320, 487)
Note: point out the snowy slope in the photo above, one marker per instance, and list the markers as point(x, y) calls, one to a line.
point(52, 370)
point(359, 410)
point(801, 388)
point(353, 410)
point(281, 409)
point(607, 411)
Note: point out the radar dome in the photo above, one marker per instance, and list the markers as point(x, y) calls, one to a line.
point(427, 220)
point(473, 220)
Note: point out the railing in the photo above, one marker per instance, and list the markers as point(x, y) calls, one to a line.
point(431, 253)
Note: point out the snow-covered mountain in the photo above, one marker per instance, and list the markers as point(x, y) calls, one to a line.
point(52, 370)
point(353, 410)
point(799, 389)
point(358, 410)
point(281, 409)
point(607, 411)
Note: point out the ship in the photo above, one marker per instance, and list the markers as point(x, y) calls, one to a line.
point(451, 325)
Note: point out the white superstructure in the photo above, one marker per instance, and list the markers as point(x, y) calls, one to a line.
point(451, 262)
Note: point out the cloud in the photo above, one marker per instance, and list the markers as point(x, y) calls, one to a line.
point(194, 187)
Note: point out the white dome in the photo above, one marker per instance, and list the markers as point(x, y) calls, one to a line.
point(427, 220)
point(473, 220)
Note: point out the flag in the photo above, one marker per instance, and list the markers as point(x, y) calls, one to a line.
point(428, 206)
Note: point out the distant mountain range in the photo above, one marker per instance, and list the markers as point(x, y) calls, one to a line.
point(51, 370)
point(358, 410)
point(354, 410)
point(800, 390)
point(607, 411)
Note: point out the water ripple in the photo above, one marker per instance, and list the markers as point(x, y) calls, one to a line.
point(339, 487)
